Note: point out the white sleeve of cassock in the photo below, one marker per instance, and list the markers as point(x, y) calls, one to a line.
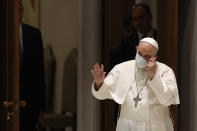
point(102, 93)
point(165, 87)
point(109, 85)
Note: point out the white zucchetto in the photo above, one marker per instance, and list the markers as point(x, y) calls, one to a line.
point(151, 41)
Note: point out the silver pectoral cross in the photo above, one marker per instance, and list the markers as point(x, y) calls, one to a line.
point(137, 99)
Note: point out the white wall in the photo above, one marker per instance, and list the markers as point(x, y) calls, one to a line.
point(75, 23)
point(31, 14)
point(59, 27)
point(188, 65)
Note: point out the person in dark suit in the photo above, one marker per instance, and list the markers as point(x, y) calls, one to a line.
point(141, 21)
point(141, 25)
point(32, 83)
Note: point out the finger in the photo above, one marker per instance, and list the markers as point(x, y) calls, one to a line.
point(149, 62)
point(97, 67)
point(102, 67)
point(154, 59)
point(93, 73)
point(151, 59)
point(148, 66)
point(104, 74)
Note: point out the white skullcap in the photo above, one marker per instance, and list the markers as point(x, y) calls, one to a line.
point(150, 41)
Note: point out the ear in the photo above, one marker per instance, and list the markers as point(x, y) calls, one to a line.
point(136, 47)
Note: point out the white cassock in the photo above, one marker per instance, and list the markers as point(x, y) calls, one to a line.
point(151, 113)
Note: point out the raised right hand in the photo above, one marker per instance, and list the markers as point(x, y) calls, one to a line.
point(98, 74)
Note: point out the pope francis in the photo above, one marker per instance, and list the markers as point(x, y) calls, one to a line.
point(143, 87)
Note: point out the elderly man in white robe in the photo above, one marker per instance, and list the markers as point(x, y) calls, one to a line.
point(143, 87)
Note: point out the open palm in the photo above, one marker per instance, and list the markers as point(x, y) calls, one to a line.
point(98, 73)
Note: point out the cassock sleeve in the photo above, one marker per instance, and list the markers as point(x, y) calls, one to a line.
point(109, 83)
point(164, 85)
point(102, 93)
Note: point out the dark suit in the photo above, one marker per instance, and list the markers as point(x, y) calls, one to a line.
point(32, 85)
point(125, 52)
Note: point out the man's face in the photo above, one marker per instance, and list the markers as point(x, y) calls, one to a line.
point(146, 50)
point(141, 20)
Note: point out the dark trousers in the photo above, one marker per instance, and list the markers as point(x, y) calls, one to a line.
point(28, 119)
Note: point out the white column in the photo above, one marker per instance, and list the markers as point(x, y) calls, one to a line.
point(89, 47)
point(188, 65)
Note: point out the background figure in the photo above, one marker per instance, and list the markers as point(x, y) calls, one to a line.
point(141, 26)
point(141, 21)
point(32, 83)
point(127, 26)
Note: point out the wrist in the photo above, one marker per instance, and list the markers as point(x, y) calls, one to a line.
point(97, 85)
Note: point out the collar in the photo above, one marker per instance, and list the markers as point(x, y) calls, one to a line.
point(149, 34)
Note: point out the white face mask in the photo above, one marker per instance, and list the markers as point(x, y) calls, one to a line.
point(140, 61)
